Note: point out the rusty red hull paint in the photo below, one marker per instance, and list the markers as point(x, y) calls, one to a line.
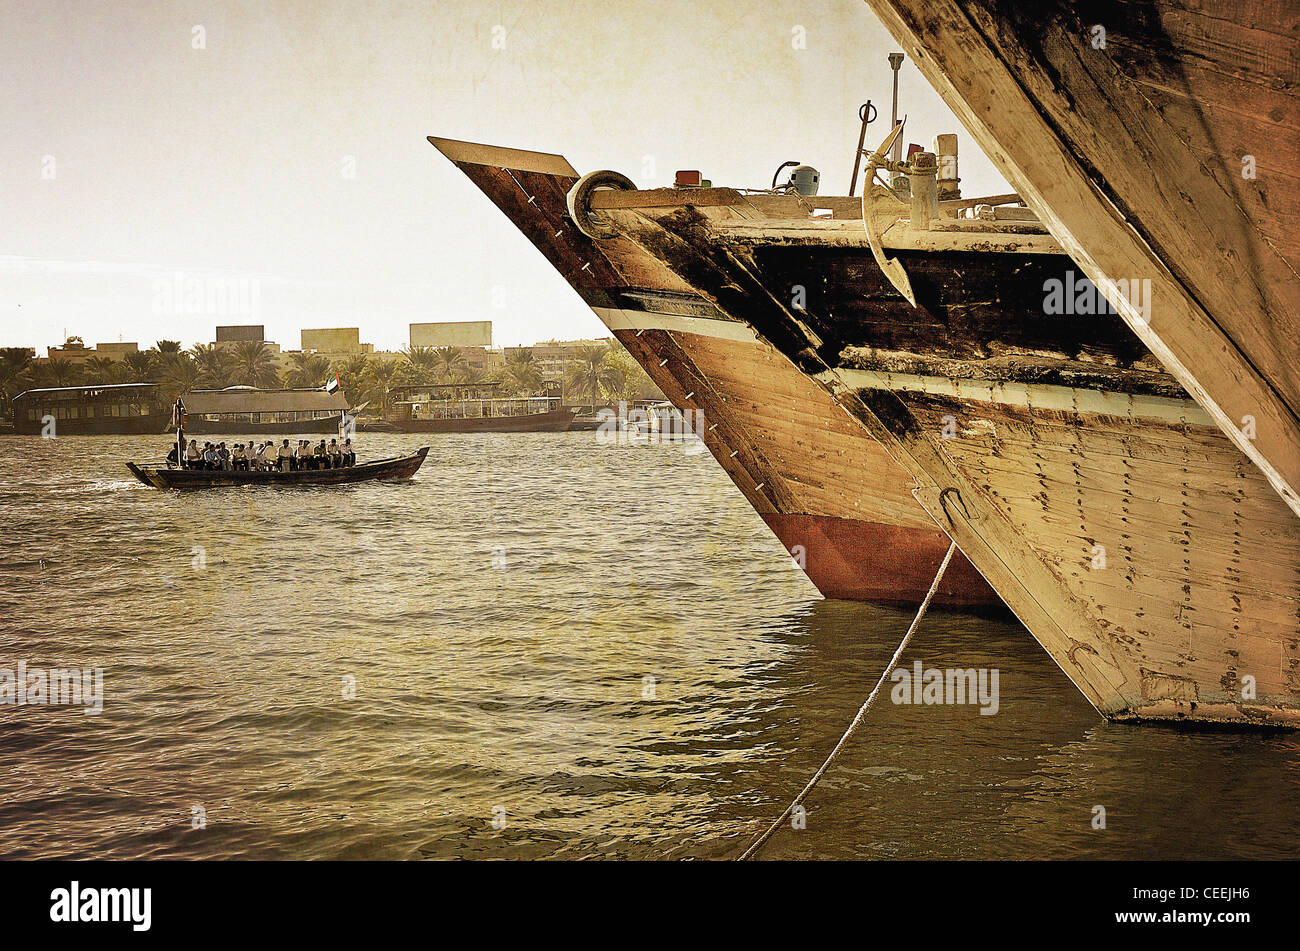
point(885, 564)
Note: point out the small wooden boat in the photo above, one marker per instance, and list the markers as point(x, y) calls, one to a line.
point(401, 467)
point(553, 422)
point(475, 408)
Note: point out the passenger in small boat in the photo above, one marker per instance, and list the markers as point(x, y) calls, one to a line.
point(238, 461)
point(176, 456)
point(223, 457)
point(193, 458)
point(264, 456)
point(349, 453)
point(210, 458)
point(335, 456)
point(285, 456)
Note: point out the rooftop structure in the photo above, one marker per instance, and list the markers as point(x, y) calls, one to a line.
point(462, 333)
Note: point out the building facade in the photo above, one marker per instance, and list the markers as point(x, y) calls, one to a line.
point(460, 333)
point(335, 342)
point(554, 357)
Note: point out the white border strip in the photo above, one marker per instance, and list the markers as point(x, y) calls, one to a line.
point(617, 319)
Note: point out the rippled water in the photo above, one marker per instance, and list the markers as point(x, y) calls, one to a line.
point(499, 616)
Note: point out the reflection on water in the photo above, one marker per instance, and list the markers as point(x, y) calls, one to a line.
point(600, 647)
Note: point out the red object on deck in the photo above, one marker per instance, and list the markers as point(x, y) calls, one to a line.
point(688, 178)
point(912, 149)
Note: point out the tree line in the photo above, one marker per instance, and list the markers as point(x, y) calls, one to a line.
point(598, 374)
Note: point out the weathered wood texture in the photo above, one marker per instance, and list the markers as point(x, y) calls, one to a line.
point(1169, 537)
point(821, 483)
point(1133, 154)
point(1161, 632)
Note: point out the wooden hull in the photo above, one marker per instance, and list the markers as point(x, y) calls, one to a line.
point(824, 486)
point(1159, 143)
point(556, 422)
point(382, 469)
point(106, 426)
point(831, 494)
point(1137, 543)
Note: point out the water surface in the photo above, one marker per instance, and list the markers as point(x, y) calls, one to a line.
point(558, 648)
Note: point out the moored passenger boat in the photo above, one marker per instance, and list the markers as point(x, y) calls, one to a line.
point(1159, 141)
point(475, 408)
point(825, 487)
point(94, 410)
point(1138, 544)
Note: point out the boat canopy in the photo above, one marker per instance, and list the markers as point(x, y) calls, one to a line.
point(211, 402)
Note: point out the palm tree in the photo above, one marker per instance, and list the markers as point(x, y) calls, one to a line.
point(103, 370)
point(307, 369)
point(164, 353)
point(421, 365)
point(382, 375)
point(182, 377)
point(354, 377)
point(216, 365)
point(446, 362)
point(57, 372)
point(636, 383)
point(15, 375)
point(255, 365)
point(140, 367)
point(591, 374)
point(523, 377)
point(468, 376)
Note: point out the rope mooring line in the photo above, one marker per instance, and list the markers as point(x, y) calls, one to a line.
point(862, 712)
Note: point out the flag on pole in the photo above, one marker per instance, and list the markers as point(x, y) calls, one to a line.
point(333, 384)
point(178, 414)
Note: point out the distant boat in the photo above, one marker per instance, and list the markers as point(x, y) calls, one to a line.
point(475, 408)
point(93, 410)
point(401, 467)
point(246, 410)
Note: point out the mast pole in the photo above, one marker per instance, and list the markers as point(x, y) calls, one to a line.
point(895, 61)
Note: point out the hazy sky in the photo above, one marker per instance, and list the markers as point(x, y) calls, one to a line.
point(290, 151)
